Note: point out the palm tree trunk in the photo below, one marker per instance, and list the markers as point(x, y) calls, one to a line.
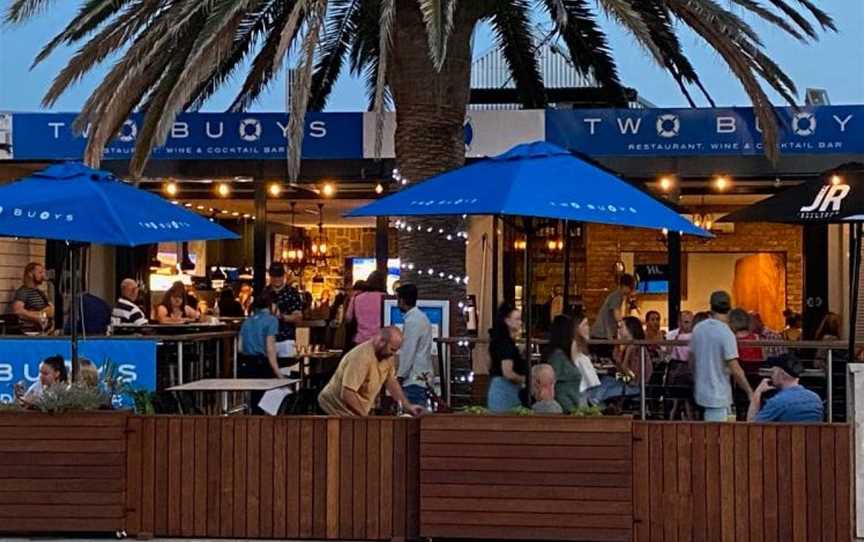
point(430, 114)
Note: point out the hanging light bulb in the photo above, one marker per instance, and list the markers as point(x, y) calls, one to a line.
point(379, 188)
point(275, 190)
point(223, 190)
point(171, 189)
point(328, 190)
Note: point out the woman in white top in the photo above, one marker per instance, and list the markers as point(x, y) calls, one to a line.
point(52, 372)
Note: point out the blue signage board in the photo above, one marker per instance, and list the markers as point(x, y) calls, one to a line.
point(692, 132)
point(195, 136)
point(135, 360)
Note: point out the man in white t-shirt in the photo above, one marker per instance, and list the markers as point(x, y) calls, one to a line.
point(714, 356)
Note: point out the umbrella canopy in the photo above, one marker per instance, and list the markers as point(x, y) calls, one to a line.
point(533, 180)
point(71, 202)
point(838, 197)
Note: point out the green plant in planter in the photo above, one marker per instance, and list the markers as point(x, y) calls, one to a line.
point(9, 407)
point(475, 410)
point(586, 411)
point(522, 411)
point(76, 397)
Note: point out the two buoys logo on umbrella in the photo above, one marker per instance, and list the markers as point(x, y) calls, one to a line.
point(18, 212)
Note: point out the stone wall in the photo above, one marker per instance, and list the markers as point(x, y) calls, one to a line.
point(605, 243)
point(14, 256)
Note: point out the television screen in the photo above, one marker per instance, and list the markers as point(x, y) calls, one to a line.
point(361, 268)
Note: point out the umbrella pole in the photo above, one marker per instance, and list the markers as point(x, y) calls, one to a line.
point(74, 255)
point(854, 279)
point(566, 293)
point(526, 300)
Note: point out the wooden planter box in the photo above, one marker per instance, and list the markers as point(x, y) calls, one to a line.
point(531, 477)
point(62, 473)
point(298, 477)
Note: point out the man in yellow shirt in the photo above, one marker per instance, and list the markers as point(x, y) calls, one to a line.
point(361, 375)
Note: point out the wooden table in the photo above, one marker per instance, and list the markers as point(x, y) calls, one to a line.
point(224, 386)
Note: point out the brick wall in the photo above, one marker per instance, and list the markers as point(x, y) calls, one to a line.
point(604, 244)
point(344, 243)
point(14, 255)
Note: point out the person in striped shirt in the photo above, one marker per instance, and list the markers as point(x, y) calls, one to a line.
point(30, 303)
point(126, 311)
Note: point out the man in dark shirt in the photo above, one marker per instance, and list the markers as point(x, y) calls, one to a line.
point(30, 303)
point(288, 302)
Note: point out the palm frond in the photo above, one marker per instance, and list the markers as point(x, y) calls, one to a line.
point(340, 31)
point(300, 92)
point(110, 39)
point(586, 42)
point(755, 7)
point(825, 20)
point(251, 29)
point(89, 17)
point(21, 10)
point(388, 10)
point(511, 23)
point(438, 17)
point(269, 59)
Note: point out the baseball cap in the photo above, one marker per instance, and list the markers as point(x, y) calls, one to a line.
point(789, 363)
point(277, 269)
point(720, 302)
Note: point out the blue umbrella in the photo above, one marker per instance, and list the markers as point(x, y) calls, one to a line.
point(533, 180)
point(74, 203)
point(71, 202)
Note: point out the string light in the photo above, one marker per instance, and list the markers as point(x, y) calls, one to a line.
point(223, 190)
point(379, 188)
point(171, 189)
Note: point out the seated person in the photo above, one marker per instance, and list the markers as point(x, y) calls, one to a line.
point(543, 390)
point(173, 308)
point(563, 345)
point(258, 345)
point(88, 374)
point(362, 373)
point(94, 316)
point(751, 357)
point(127, 311)
point(792, 403)
point(52, 372)
point(229, 307)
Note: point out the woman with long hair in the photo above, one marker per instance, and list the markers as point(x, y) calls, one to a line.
point(173, 308)
point(509, 370)
point(560, 355)
point(52, 372)
point(364, 309)
point(628, 359)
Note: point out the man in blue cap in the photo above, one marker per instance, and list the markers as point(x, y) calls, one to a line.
point(792, 402)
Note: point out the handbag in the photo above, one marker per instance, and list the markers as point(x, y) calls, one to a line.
point(588, 372)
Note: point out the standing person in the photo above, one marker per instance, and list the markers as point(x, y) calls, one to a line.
point(289, 309)
point(509, 370)
point(543, 390)
point(559, 355)
point(362, 373)
point(792, 332)
point(654, 333)
point(364, 309)
point(714, 357)
point(245, 297)
point(680, 375)
point(257, 346)
point(792, 403)
point(30, 303)
point(612, 312)
point(127, 311)
point(173, 308)
point(415, 356)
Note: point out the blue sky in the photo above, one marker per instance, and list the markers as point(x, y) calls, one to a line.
point(836, 63)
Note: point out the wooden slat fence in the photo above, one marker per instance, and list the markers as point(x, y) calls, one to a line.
point(62, 472)
point(503, 477)
point(742, 482)
point(251, 477)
